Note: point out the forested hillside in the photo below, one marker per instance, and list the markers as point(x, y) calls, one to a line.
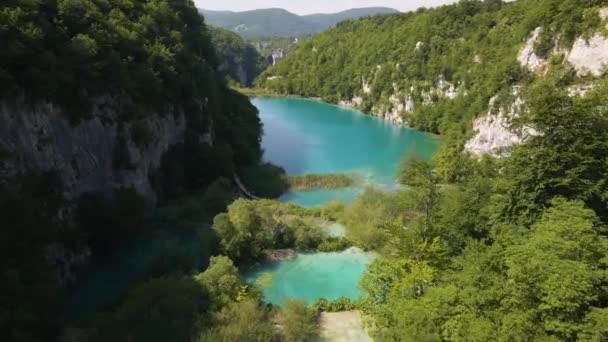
point(439, 69)
point(106, 109)
point(515, 250)
point(239, 60)
point(276, 22)
point(116, 124)
point(506, 245)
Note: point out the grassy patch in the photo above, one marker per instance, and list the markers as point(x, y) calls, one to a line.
point(271, 181)
point(320, 181)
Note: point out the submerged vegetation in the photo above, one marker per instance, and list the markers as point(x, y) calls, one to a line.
point(320, 181)
point(271, 181)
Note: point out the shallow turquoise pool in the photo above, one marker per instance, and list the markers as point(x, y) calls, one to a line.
point(312, 276)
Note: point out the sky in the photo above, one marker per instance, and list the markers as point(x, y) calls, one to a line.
point(315, 6)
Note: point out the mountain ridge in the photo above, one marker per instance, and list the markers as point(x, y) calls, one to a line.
point(278, 22)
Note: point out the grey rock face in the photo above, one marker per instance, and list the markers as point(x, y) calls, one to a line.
point(39, 137)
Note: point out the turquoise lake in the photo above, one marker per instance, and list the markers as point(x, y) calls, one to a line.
point(308, 136)
point(303, 136)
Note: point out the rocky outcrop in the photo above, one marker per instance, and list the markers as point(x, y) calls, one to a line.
point(527, 57)
point(493, 130)
point(589, 56)
point(39, 137)
point(275, 49)
point(276, 56)
point(580, 89)
point(401, 102)
point(355, 102)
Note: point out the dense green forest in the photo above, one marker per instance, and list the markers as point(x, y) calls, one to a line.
point(446, 62)
point(239, 60)
point(276, 22)
point(516, 250)
point(154, 58)
point(511, 249)
point(469, 249)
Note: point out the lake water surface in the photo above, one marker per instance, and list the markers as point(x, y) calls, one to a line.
point(308, 136)
point(303, 136)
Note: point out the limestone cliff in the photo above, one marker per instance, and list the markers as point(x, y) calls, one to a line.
point(587, 56)
point(493, 130)
point(39, 137)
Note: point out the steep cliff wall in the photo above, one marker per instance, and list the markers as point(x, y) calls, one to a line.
point(39, 137)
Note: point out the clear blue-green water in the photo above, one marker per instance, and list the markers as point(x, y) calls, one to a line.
point(312, 276)
point(111, 277)
point(309, 136)
point(303, 136)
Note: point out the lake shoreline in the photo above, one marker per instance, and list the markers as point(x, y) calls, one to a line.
point(254, 95)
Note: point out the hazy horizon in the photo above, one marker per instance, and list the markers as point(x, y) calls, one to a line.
point(303, 7)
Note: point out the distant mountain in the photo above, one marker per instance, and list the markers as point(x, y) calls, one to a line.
point(276, 22)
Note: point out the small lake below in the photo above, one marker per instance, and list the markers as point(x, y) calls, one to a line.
point(312, 276)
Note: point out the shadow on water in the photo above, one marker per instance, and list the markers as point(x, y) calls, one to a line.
point(285, 144)
point(111, 277)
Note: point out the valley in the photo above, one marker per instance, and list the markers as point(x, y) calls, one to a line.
point(174, 174)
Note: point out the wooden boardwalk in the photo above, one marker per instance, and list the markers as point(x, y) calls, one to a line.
point(243, 189)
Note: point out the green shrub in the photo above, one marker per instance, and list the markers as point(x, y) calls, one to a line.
point(320, 181)
point(298, 322)
point(307, 236)
point(218, 196)
point(332, 210)
point(334, 244)
point(337, 305)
